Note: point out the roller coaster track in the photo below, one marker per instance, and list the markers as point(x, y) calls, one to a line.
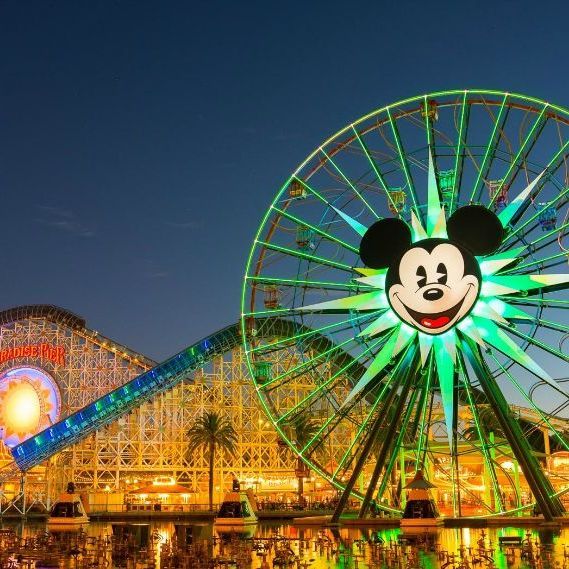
point(160, 378)
point(164, 376)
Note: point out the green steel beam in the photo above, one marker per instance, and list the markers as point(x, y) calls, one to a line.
point(490, 150)
point(391, 442)
point(404, 163)
point(317, 230)
point(370, 440)
point(349, 183)
point(460, 153)
point(540, 486)
point(306, 256)
point(523, 153)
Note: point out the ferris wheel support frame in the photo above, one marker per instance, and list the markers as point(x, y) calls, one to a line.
point(550, 504)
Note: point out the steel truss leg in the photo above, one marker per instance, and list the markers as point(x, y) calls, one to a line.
point(371, 439)
point(389, 438)
point(540, 486)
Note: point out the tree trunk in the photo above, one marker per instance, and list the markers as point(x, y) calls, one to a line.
point(211, 464)
point(300, 467)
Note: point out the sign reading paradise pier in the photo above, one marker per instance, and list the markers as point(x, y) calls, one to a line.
point(55, 354)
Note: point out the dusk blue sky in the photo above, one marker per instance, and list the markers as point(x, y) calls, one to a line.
point(141, 142)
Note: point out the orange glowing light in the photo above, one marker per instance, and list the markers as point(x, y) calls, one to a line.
point(22, 406)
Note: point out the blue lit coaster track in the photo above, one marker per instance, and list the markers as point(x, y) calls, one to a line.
point(163, 377)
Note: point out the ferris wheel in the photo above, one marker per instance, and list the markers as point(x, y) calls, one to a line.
point(426, 243)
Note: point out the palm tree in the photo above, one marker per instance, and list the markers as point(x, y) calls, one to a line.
point(304, 430)
point(212, 432)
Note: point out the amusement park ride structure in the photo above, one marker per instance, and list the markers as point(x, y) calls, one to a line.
point(325, 337)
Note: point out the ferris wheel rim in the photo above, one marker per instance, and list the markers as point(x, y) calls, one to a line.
point(259, 244)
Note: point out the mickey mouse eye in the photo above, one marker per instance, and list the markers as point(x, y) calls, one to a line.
point(442, 273)
point(422, 274)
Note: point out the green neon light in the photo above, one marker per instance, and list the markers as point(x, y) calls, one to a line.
point(369, 415)
point(374, 166)
point(315, 331)
point(397, 446)
point(325, 384)
point(349, 182)
point(403, 161)
point(514, 162)
point(459, 154)
point(422, 432)
point(316, 230)
point(490, 146)
point(481, 438)
point(306, 256)
point(539, 261)
point(542, 301)
point(530, 401)
point(303, 365)
point(535, 216)
point(544, 347)
point(309, 284)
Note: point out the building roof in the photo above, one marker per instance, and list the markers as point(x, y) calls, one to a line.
point(419, 483)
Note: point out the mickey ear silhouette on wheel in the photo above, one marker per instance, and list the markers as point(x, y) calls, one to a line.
point(475, 228)
point(384, 242)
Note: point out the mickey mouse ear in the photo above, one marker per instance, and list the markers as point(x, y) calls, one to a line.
point(476, 228)
point(384, 241)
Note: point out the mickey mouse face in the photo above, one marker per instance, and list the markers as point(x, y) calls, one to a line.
point(434, 283)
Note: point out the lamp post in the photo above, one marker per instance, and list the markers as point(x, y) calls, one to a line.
point(107, 492)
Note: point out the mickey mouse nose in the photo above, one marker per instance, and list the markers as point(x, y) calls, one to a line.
point(432, 294)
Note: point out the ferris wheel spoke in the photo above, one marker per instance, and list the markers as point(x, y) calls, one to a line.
point(460, 151)
point(272, 312)
point(303, 283)
point(353, 223)
point(401, 379)
point(429, 129)
point(403, 161)
point(490, 153)
point(309, 364)
point(390, 448)
point(556, 302)
point(518, 268)
point(553, 165)
point(375, 168)
point(306, 256)
point(319, 390)
point(542, 345)
point(317, 230)
point(349, 182)
point(523, 153)
point(539, 484)
point(426, 407)
point(342, 325)
point(544, 241)
point(555, 326)
point(482, 438)
point(555, 202)
point(358, 435)
point(523, 393)
point(380, 398)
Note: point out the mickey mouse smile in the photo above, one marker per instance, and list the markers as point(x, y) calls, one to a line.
point(437, 320)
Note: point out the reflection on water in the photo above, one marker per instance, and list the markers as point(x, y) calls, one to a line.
point(162, 545)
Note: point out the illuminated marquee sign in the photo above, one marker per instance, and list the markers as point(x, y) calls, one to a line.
point(29, 402)
point(55, 354)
